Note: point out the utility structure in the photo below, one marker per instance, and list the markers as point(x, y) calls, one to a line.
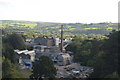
point(61, 38)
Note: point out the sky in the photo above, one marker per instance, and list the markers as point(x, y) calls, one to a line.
point(63, 11)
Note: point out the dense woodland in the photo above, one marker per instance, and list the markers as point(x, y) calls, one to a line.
point(102, 55)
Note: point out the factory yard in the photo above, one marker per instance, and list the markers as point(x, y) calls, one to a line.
point(73, 70)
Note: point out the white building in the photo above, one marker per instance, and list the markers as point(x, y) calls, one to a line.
point(57, 41)
point(63, 59)
point(40, 48)
point(25, 56)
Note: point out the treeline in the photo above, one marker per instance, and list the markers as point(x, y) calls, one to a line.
point(102, 55)
point(36, 34)
point(54, 28)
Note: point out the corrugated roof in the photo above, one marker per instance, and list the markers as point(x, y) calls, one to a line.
point(25, 52)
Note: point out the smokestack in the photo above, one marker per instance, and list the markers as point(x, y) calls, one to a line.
point(61, 38)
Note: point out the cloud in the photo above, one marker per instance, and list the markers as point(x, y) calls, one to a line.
point(3, 3)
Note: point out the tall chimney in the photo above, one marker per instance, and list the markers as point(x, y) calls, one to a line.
point(61, 38)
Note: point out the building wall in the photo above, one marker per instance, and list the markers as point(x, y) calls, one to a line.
point(44, 41)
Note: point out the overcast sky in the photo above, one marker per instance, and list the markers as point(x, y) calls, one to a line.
point(64, 11)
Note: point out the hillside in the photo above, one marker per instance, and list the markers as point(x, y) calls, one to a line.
point(54, 28)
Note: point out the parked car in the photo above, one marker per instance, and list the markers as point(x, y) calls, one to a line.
point(76, 72)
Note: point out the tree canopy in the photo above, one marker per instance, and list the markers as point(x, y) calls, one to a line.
point(44, 67)
point(15, 40)
point(102, 55)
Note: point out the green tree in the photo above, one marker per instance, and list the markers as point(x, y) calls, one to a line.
point(105, 62)
point(6, 68)
point(111, 48)
point(113, 75)
point(44, 67)
point(81, 50)
point(8, 52)
point(16, 41)
point(29, 47)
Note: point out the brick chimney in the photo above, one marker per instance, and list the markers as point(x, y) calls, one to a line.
point(61, 38)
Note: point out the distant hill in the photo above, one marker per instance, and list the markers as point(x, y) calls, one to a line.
point(54, 28)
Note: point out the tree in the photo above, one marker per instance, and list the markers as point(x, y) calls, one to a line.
point(6, 68)
point(106, 61)
point(113, 75)
point(81, 50)
point(16, 41)
point(29, 47)
point(111, 48)
point(8, 52)
point(44, 67)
